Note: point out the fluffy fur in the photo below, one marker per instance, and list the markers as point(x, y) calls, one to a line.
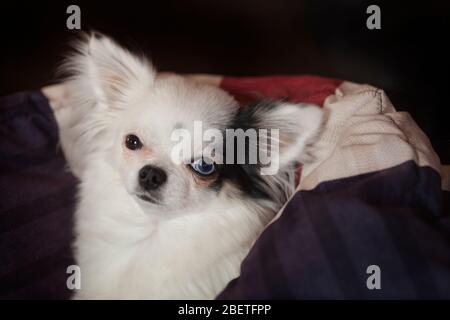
point(189, 243)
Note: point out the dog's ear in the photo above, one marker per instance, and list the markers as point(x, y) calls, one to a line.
point(291, 128)
point(112, 74)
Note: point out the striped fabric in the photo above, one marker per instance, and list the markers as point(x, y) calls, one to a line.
point(36, 201)
point(373, 196)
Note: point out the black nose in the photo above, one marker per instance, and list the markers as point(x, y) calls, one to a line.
point(151, 178)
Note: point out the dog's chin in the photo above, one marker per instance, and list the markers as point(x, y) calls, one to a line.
point(148, 199)
point(156, 208)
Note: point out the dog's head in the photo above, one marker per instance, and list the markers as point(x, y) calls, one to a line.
point(174, 142)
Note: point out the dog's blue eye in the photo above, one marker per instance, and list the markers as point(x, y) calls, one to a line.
point(202, 167)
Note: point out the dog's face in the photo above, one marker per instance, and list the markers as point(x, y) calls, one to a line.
point(137, 114)
point(144, 148)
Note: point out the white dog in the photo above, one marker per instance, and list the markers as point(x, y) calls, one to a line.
point(146, 226)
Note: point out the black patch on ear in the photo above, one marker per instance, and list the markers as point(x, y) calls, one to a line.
point(247, 177)
point(251, 116)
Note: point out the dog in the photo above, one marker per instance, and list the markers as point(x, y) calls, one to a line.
point(149, 227)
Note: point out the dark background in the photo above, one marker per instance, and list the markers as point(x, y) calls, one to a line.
point(408, 57)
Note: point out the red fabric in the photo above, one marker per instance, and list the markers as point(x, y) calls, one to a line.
point(306, 88)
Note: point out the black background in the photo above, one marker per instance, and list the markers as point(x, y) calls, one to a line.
point(408, 57)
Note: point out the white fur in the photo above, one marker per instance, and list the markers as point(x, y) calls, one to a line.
point(124, 252)
point(192, 244)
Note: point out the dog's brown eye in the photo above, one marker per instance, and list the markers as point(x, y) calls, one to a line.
point(132, 142)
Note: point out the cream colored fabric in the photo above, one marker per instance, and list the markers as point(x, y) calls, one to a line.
point(364, 133)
